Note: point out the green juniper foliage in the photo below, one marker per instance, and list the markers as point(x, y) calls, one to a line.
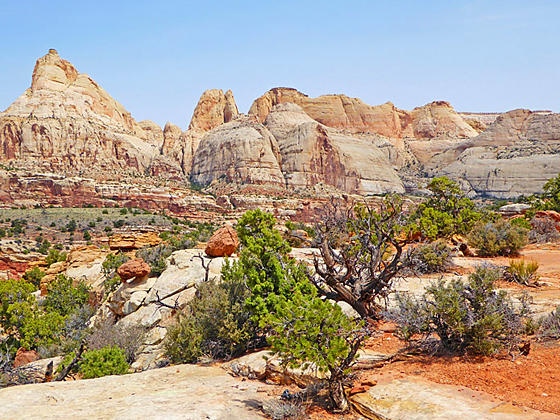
point(447, 212)
point(264, 265)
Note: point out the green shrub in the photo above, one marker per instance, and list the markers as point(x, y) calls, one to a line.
point(447, 212)
point(87, 235)
point(16, 306)
point(34, 276)
point(217, 324)
point(40, 329)
point(264, 265)
point(55, 256)
point(434, 257)
point(522, 272)
point(550, 324)
point(103, 362)
point(63, 297)
point(307, 331)
point(499, 238)
point(43, 246)
point(109, 269)
point(466, 317)
point(521, 222)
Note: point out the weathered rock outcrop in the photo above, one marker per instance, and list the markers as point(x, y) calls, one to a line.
point(214, 108)
point(516, 155)
point(312, 153)
point(65, 122)
point(436, 119)
point(338, 111)
point(241, 151)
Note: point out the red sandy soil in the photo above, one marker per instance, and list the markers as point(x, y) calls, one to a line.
point(531, 381)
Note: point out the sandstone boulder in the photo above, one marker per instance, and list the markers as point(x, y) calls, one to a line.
point(135, 268)
point(223, 243)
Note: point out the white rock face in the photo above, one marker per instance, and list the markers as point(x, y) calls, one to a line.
point(516, 155)
point(242, 151)
point(136, 303)
point(65, 122)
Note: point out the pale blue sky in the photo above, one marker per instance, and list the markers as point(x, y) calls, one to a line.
point(157, 57)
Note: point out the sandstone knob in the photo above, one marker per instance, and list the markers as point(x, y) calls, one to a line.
point(135, 268)
point(223, 242)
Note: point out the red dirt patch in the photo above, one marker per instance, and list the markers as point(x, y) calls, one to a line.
point(532, 381)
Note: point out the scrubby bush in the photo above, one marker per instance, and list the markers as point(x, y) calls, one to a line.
point(307, 331)
point(127, 338)
point(217, 325)
point(543, 230)
point(55, 256)
point(34, 276)
point(466, 317)
point(362, 251)
point(156, 257)
point(434, 257)
point(522, 272)
point(550, 324)
point(497, 238)
point(281, 410)
point(447, 212)
point(103, 362)
point(109, 269)
point(63, 297)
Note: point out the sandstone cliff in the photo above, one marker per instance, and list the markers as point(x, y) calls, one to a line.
point(65, 122)
point(516, 155)
point(434, 120)
point(293, 151)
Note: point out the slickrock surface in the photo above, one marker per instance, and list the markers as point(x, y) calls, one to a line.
point(177, 392)
point(415, 399)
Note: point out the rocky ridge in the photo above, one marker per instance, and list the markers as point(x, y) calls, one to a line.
point(66, 124)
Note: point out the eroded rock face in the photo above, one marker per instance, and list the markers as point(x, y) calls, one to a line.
point(292, 150)
point(436, 119)
point(312, 153)
point(214, 108)
point(241, 151)
point(338, 111)
point(65, 122)
point(516, 155)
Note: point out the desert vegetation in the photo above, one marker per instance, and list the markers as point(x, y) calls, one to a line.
point(318, 313)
